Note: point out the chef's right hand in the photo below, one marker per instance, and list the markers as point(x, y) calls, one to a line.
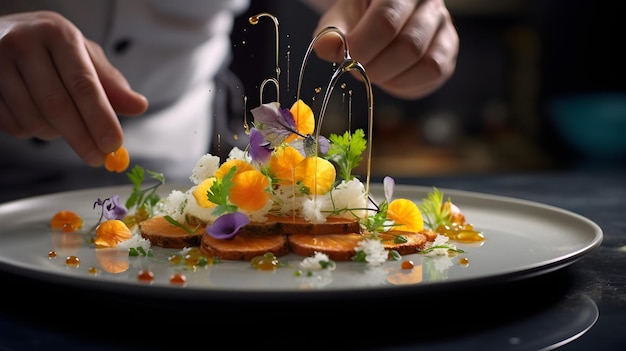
point(56, 83)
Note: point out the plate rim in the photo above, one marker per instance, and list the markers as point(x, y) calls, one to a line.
point(202, 294)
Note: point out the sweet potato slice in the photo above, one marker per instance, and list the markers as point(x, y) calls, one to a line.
point(338, 247)
point(333, 225)
point(162, 233)
point(243, 247)
point(295, 225)
point(413, 242)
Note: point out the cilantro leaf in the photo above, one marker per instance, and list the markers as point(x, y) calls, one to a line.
point(346, 151)
point(218, 193)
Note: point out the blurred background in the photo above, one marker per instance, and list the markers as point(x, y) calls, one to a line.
point(539, 85)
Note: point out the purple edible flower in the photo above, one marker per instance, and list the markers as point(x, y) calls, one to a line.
point(226, 226)
point(111, 208)
point(260, 149)
point(274, 122)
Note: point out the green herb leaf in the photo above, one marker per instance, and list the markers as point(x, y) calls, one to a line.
point(147, 197)
point(346, 151)
point(218, 193)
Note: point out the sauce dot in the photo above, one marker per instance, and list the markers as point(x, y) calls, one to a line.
point(464, 261)
point(92, 270)
point(72, 261)
point(145, 276)
point(67, 221)
point(407, 265)
point(174, 259)
point(52, 254)
point(266, 262)
point(178, 279)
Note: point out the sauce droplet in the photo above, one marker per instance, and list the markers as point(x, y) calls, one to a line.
point(72, 261)
point(67, 221)
point(178, 279)
point(145, 276)
point(266, 262)
point(407, 265)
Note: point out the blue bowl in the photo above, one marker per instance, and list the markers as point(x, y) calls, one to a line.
point(593, 124)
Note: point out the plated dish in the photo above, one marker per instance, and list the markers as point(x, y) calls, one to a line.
point(522, 239)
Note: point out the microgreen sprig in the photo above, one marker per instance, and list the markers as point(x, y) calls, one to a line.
point(433, 211)
point(147, 197)
point(432, 248)
point(180, 225)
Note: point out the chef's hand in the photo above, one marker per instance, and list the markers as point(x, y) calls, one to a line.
point(408, 47)
point(56, 83)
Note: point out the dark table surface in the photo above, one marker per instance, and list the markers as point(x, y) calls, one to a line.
point(579, 307)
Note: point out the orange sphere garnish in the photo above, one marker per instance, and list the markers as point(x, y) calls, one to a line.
point(66, 221)
point(117, 161)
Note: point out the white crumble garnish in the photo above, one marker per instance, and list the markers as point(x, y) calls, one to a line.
point(440, 240)
point(442, 263)
point(318, 262)
point(205, 168)
point(236, 154)
point(375, 253)
point(135, 241)
point(175, 205)
point(312, 209)
point(350, 194)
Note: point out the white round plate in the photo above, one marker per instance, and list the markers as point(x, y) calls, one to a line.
point(522, 239)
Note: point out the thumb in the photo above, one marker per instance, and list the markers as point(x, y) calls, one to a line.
point(344, 15)
point(123, 99)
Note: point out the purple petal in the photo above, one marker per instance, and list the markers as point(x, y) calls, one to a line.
point(323, 145)
point(266, 113)
point(388, 185)
point(260, 150)
point(112, 208)
point(286, 119)
point(226, 226)
point(274, 122)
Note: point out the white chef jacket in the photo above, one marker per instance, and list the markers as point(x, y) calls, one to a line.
point(170, 51)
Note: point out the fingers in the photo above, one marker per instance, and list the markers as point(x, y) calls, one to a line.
point(15, 100)
point(64, 87)
point(57, 83)
point(382, 24)
point(408, 47)
point(343, 15)
point(124, 100)
point(427, 74)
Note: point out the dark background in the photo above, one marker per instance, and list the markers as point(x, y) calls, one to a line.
point(516, 58)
